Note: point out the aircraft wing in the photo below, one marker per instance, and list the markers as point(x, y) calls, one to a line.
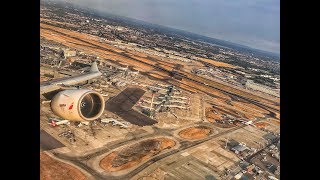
point(74, 104)
point(56, 84)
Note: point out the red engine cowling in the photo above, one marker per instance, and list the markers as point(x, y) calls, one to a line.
point(78, 105)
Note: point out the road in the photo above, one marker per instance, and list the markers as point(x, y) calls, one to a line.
point(184, 145)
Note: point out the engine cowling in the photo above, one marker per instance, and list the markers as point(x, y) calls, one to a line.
point(78, 105)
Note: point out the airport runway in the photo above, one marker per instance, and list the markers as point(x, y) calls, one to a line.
point(184, 75)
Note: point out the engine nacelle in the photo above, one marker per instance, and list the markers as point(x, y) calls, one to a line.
point(78, 105)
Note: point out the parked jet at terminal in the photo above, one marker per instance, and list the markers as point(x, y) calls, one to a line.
point(56, 122)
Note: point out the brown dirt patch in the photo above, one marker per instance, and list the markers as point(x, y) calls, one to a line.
point(52, 169)
point(205, 89)
point(42, 79)
point(184, 86)
point(156, 75)
point(195, 133)
point(261, 124)
point(249, 110)
point(249, 106)
point(216, 63)
point(213, 114)
point(133, 155)
point(236, 109)
point(274, 121)
point(277, 115)
point(219, 101)
point(249, 116)
point(231, 111)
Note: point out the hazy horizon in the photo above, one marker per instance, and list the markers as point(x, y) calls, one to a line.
point(254, 23)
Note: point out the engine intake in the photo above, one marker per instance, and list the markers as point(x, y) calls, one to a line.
point(78, 105)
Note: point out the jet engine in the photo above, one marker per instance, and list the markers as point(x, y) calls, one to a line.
point(78, 105)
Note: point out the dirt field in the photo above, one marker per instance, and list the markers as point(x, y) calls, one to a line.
point(213, 114)
point(216, 63)
point(51, 169)
point(274, 121)
point(184, 86)
point(195, 133)
point(157, 76)
point(193, 85)
point(133, 155)
point(261, 124)
point(157, 174)
point(236, 109)
point(42, 79)
point(277, 115)
point(249, 107)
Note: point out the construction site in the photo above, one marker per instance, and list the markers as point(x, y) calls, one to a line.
point(135, 154)
point(162, 119)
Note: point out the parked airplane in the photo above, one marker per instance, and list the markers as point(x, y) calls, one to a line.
point(247, 122)
point(115, 122)
point(56, 122)
point(123, 68)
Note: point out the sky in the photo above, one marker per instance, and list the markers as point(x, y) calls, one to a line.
point(254, 23)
